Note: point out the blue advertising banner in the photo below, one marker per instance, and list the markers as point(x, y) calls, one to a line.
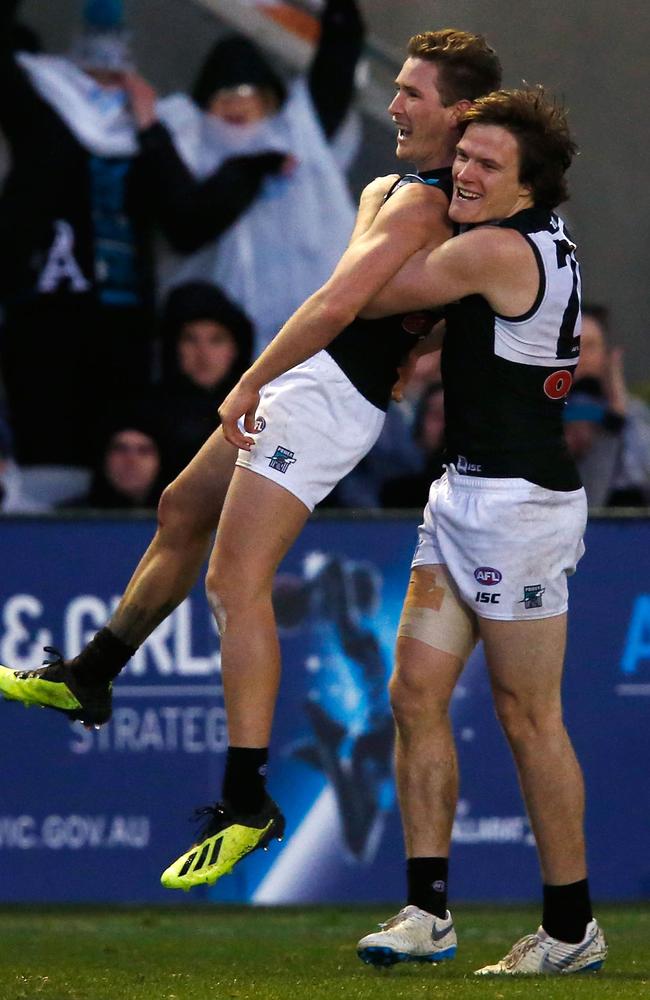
point(97, 816)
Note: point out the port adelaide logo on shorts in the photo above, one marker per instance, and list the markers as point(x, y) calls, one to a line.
point(532, 596)
point(281, 459)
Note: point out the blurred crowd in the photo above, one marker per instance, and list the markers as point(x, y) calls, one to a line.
point(151, 247)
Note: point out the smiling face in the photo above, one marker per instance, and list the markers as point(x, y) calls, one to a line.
point(426, 129)
point(486, 176)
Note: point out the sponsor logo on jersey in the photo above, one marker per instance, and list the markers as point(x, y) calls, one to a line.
point(464, 465)
point(557, 385)
point(260, 424)
point(532, 596)
point(488, 576)
point(281, 459)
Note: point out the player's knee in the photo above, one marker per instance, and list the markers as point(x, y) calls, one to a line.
point(182, 518)
point(173, 513)
point(414, 700)
point(401, 700)
point(166, 506)
point(526, 721)
point(218, 604)
point(226, 591)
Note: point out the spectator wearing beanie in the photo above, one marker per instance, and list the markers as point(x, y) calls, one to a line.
point(127, 474)
point(207, 343)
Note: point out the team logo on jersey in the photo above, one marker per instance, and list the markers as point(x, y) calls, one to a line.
point(487, 576)
point(532, 596)
point(418, 323)
point(260, 424)
point(281, 459)
point(557, 385)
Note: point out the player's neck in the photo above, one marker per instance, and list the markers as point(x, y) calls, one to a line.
point(436, 159)
point(428, 166)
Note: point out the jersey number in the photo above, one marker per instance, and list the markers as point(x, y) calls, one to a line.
point(557, 385)
point(567, 344)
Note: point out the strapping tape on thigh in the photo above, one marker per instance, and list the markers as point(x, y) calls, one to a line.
point(434, 614)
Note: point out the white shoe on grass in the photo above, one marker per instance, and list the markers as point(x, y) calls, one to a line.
point(412, 935)
point(541, 954)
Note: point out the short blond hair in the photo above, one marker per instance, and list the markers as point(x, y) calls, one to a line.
point(468, 66)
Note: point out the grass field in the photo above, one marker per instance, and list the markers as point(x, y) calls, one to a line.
point(283, 954)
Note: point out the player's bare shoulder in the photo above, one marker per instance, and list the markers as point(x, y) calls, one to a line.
point(421, 206)
point(493, 248)
point(503, 266)
point(418, 194)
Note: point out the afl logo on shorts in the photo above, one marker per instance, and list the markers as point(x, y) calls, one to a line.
point(487, 576)
point(260, 424)
point(558, 384)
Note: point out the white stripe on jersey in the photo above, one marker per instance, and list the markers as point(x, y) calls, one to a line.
point(533, 339)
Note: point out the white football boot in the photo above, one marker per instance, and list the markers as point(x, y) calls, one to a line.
point(541, 954)
point(412, 935)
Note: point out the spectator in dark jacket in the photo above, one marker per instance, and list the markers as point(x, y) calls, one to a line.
point(207, 344)
point(128, 472)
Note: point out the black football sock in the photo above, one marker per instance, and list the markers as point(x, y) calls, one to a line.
point(244, 780)
point(567, 911)
point(427, 884)
point(102, 659)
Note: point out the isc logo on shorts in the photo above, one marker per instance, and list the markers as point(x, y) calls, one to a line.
point(482, 598)
point(488, 576)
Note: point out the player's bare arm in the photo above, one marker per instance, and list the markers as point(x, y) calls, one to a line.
point(372, 198)
point(498, 264)
point(414, 217)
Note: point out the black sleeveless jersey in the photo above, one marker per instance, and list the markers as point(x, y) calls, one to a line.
point(506, 379)
point(369, 351)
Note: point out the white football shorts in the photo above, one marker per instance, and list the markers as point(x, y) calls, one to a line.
point(313, 428)
point(508, 544)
